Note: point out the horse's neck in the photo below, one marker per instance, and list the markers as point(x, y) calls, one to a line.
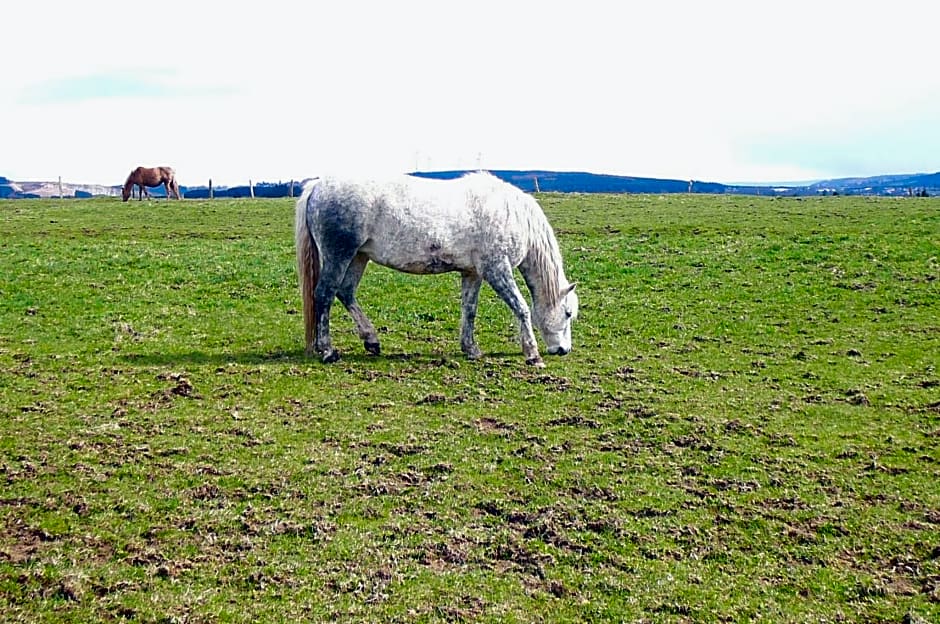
point(542, 270)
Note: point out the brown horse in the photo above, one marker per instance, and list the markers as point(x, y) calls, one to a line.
point(151, 176)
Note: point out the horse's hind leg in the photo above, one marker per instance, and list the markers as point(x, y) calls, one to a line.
point(323, 298)
point(332, 278)
point(347, 296)
point(469, 296)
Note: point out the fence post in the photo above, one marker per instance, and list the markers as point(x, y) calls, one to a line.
point(60, 188)
point(536, 180)
point(210, 188)
point(251, 188)
point(290, 193)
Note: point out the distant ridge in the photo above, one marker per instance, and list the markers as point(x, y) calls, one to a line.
point(25, 190)
point(582, 182)
point(538, 180)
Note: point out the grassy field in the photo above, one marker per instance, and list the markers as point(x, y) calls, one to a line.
point(748, 427)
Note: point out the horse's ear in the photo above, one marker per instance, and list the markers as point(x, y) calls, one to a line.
point(568, 290)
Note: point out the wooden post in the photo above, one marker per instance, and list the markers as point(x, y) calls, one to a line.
point(251, 188)
point(290, 193)
point(210, 188)
point(536, 180)
point(60, 188)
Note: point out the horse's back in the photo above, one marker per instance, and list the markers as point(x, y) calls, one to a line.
point(151, 176)
point(421, 204)
point(419, 224)
point(411, 198)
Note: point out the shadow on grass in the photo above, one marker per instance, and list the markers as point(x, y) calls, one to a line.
point(296, 357)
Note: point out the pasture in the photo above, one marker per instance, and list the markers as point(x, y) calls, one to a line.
point(748, 427)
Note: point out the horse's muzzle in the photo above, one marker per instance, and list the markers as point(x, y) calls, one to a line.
point(559, 351)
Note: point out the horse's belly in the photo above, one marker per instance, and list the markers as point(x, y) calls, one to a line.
point(427, 268)
point(425, 259)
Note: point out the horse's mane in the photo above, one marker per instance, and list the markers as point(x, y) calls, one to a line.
point(543, 260)
point(544, 257)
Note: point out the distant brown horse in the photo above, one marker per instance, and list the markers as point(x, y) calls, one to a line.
point(151, 176)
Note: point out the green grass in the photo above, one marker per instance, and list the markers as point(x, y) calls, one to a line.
point(747, 428)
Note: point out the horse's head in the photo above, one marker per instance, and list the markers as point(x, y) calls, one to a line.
point(126, 192)
point(555, 322)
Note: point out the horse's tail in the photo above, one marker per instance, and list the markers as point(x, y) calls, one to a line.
point(308, 264)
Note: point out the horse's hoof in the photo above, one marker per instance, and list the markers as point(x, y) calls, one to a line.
point(536, 362)
point(373, 347)
point(473, 353)
point(331, 356)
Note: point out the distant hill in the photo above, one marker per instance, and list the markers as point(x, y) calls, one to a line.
point(25, 190)
point(262, 189)
point(533, 181)
point(581, 182)
point(902, 184)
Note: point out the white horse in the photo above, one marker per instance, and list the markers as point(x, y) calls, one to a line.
point(476, 225)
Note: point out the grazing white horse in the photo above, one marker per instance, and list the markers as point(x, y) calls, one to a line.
point(476, 225)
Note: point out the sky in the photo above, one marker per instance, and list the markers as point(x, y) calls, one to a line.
point(725, 91)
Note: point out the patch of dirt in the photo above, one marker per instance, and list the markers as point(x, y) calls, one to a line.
point(626, 373)
point(697, 374)
point(574, 421)
point(693, 441)
point(25, 544)
point(403, 450)
point(551, 382)
point(469, 608)
point(508, 551)
point(439, 399)
point(400, 483)
point(609, 403)
point(492, 425)
point(740, 486)
point(205, 492)
point(554, 526)
point(182, 386)
point(456, 552)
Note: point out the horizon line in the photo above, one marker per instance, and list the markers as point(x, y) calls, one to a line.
point(769, 184)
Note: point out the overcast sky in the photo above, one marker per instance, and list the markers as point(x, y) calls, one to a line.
point(721, 91)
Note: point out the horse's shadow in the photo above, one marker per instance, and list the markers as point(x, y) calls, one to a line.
point(297, 357)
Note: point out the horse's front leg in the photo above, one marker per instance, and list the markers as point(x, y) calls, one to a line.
point(347, 296)
point(469, 296)
point(500, 278)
